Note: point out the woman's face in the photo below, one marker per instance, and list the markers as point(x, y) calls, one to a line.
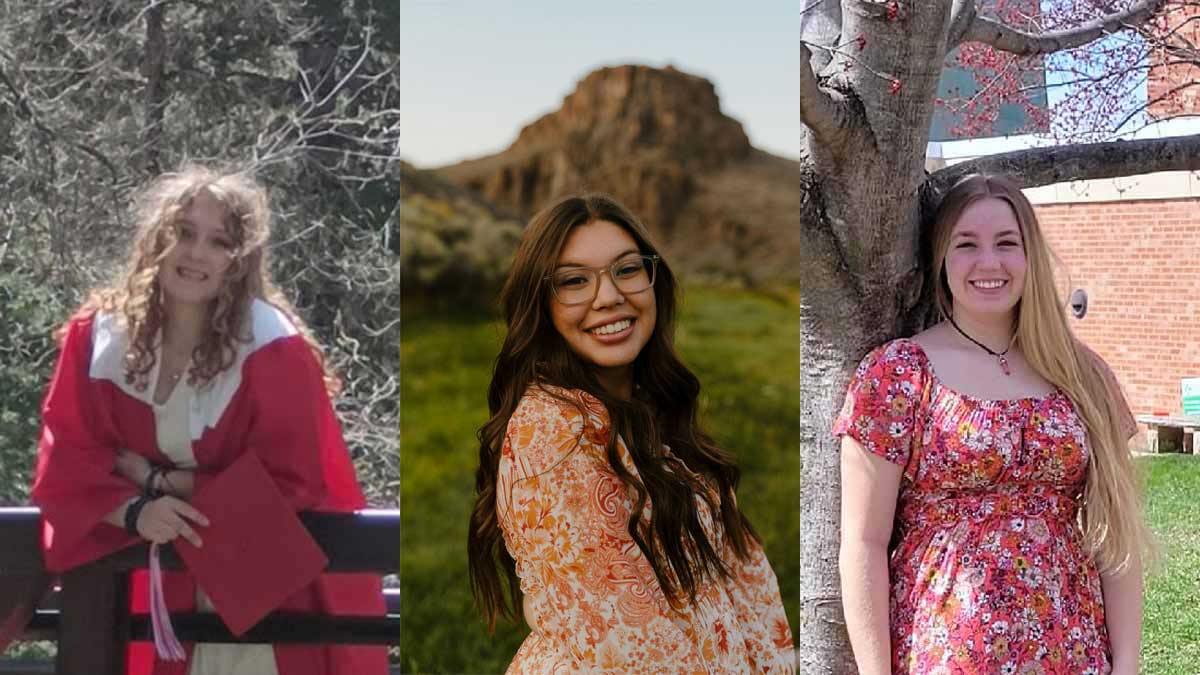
point(194, 268)
point(610, 330)
point(985, 260)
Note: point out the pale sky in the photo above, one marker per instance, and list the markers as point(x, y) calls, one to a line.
point(473, 72)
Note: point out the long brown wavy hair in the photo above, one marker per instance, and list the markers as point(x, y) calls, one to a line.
point(663, 411)
point(136, 297)
point(1112, 523)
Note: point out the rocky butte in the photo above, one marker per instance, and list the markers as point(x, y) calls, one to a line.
point(656, 139)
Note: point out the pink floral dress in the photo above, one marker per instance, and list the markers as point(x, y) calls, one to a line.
point(590, 597)
point(988, 569)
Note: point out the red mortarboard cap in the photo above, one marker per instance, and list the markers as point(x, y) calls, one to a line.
point(256, 552)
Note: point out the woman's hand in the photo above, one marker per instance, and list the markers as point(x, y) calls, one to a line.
point(165, 518)
point(133, 467)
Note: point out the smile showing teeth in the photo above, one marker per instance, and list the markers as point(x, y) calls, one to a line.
point(988, 283)
point(191, 274)
point(615, 327)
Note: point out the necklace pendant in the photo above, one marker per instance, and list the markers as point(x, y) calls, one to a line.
point(1004, 366)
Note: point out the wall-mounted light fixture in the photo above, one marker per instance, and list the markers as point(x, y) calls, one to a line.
point(1079, 302)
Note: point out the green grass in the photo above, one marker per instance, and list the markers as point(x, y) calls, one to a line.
point(745, 349)
point(1171, 645)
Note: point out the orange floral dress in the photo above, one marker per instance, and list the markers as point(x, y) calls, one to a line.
point(591, 598)
point(988, 569)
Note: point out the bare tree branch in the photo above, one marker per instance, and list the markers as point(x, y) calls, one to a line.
point(1008, 39)
point(1045, 166)
point(821, 24)
point(1152, 122)
point(827, 117)
point(23, 105)
point(1165, 98)
point(962, 17)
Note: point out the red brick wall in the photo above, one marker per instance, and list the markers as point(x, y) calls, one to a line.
point(1139, 262)
point(1165, 80)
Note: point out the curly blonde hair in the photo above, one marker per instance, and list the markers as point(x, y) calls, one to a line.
point(136, 298)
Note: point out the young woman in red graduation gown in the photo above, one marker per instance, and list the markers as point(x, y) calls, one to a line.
point(191, 361)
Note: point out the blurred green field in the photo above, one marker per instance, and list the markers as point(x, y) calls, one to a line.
point(743, 346)
point(1172, 616)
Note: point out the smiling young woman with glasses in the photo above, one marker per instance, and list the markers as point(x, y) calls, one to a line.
point(601, 505)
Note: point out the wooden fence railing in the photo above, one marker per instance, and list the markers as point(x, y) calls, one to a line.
point(88, 616)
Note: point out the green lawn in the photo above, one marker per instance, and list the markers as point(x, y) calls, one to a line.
point(1172, 621)
point(743, 346)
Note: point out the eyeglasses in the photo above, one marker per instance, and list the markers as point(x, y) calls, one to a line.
point(579, 285)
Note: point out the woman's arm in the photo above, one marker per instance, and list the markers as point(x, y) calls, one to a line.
point(74, 484)
point(878, 426)
point(1123, 616)
point(136, 468)
point(177, 483)
point(870, 487)
point(161, 520)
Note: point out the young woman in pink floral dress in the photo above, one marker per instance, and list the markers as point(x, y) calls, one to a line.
point(991, 519)
point(610, 512)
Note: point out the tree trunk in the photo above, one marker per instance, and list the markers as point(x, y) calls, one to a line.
point(863, 160)
point(153, 61)
point(833, 329)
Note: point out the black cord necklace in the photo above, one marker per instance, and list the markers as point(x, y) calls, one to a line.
point(998, 355)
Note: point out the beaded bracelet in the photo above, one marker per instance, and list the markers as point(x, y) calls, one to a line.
point(166, 479)
point(148, 489)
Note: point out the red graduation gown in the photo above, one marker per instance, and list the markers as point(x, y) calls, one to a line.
point(272, 402)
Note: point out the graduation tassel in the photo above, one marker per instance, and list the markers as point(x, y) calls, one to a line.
point(165, 642)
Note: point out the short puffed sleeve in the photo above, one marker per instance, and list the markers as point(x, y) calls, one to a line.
point(883, 401)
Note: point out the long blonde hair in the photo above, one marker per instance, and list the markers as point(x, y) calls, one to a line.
point(1112, 522)
point(136, 297)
